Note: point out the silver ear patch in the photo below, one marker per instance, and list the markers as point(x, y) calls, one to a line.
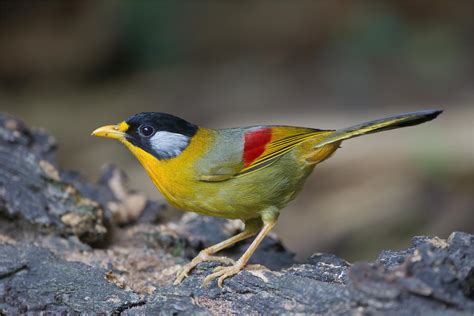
point(167, 144)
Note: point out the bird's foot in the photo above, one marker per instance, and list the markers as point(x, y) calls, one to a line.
point(223, 273)
point(201, 257)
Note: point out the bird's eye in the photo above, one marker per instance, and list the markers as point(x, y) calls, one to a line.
point(146, 130)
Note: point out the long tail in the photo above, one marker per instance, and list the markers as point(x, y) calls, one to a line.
point(385, 124)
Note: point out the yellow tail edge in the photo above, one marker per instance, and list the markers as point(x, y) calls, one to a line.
point(379, 125)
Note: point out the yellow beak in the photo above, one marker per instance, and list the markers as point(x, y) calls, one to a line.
point(112, 131)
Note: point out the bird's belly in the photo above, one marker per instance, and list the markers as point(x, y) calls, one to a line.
point(242, 197)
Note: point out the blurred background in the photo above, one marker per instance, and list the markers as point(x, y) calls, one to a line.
point(72, 66)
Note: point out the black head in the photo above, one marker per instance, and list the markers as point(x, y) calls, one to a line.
point(162, 135)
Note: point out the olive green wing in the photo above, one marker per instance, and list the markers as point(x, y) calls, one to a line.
point(254, 148)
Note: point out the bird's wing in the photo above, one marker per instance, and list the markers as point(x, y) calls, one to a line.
point(260, 146)
point(263, 146)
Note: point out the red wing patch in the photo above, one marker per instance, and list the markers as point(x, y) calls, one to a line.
point(254, 144)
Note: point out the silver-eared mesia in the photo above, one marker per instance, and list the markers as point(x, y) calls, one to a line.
point(247, 173)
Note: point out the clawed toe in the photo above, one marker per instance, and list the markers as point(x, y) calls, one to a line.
point(180, 276)
point(219, 268)
point(222, 273)
point(202, 257)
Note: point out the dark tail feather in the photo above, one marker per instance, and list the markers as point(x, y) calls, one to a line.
point(385, 124)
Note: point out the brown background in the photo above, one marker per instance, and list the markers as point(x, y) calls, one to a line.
point(326, 64)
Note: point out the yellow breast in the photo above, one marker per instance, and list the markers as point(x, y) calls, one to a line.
point(176, 177)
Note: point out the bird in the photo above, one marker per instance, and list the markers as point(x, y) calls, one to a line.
point(245, 173)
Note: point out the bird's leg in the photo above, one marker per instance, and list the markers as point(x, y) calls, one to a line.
point(251, 228)
point(224, 272)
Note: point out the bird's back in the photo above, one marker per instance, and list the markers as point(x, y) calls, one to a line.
point(242, 171)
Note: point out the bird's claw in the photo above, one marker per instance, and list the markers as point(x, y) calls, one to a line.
point(217, 269)
point(223, 273)
point(201, 257)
